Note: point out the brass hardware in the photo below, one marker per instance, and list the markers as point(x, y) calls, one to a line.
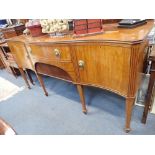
point(57, 52)
point(81, 63)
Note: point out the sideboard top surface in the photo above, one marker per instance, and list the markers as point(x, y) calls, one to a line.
point(117, 35)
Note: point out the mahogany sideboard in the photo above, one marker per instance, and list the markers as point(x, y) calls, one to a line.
point(112, 60)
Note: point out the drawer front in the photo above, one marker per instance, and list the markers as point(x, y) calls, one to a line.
point(94, 21)
point(94, 25)
point(53, 60)
point(80, 27)
point(80, 22)
point(53, 53)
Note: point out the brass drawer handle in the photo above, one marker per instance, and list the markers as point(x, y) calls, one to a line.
point(81, 63)
point(57, 52)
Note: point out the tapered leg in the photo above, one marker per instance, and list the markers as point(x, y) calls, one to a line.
point(148, 97)
point(82, 98)
point(129, 107)
point(42, 83)
point(13, 72)
point(30, 77)
point(24, 77)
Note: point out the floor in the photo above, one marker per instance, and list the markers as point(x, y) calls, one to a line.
point(30, 112)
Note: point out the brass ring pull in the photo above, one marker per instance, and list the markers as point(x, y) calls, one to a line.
point(81, 63)
point(57, 52)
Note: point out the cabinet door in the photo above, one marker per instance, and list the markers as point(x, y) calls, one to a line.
point(104, 66)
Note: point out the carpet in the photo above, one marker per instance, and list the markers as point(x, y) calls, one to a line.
point(30, 112)
point(8, 89)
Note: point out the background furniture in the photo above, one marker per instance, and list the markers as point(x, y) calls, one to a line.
point(8, 60)
point(5, 56)
point(12, 31)
point(148, 102)
point(1, 63)
point(112, 61)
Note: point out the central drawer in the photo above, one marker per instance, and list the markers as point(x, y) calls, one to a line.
point(51, 52)
point(53, 60)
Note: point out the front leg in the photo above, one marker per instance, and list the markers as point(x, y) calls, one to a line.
point(24, 77)
point(41, 83)
point(129, 107)
point(30, 77)
point(82, 98)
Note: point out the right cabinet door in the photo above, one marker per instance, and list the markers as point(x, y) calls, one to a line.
point(104, 66)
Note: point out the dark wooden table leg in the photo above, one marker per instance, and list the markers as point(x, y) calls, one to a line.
point(129, 107)
point(42, 83)
point(24, 77)
point(148, 96)
point(13, 72)
point(30, 77)
point(82, 98)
